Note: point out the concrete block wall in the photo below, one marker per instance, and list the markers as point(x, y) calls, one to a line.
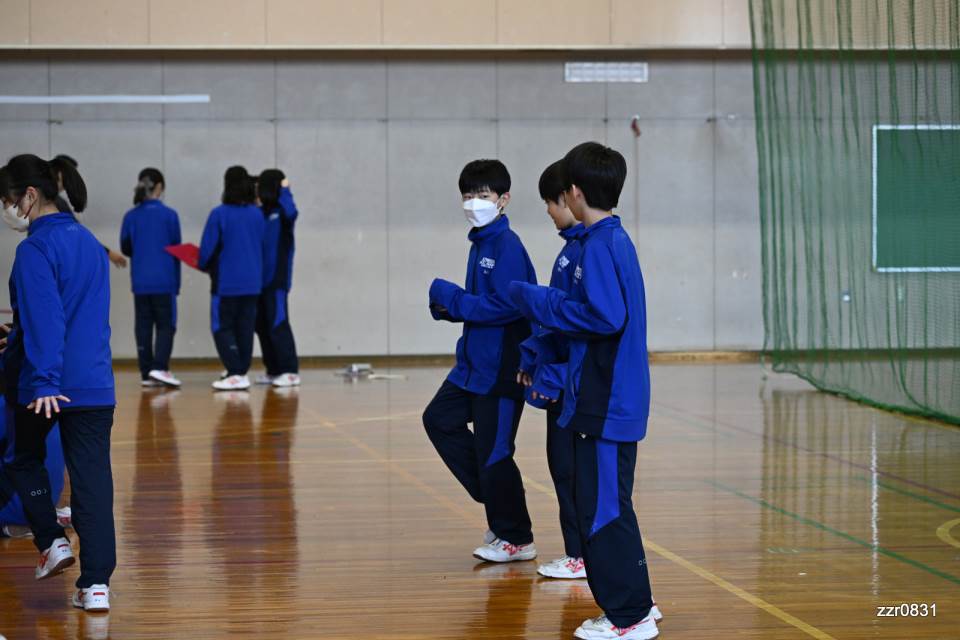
point(373, 145)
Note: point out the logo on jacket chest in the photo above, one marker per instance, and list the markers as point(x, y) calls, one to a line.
point(562, 263)
point(487, 264)
point(578, 274)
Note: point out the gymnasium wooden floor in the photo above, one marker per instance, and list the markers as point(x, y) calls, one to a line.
point(769, 511)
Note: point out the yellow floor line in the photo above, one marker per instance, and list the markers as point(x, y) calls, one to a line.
point(760, 603)
point(943, 532)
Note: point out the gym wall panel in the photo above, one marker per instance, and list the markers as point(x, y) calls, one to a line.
point(666, 23)
point(92, 22)
point(296, 22)
point(439, 22)
point(736, 24)
point(208, 22)
point(16, 22)
point(553, 22)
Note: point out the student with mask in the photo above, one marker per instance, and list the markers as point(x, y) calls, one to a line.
point(273, 314)
point(147, 230)
point(482, 388)
point(64, 371)
point(231, 251)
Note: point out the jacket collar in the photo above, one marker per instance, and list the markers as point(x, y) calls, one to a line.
point(492, 230)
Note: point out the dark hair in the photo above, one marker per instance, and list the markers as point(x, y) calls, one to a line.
point(238, 186)
point(147, 181)
point(62, 157)
point(598, 171)
point(489, 174)
point(268, 188)
point(551, 182)
point(28, 170)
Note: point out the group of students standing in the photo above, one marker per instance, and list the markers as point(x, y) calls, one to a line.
point(578, 349)
point(247, 248)
point(58, 396)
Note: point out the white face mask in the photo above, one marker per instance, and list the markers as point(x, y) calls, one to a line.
point(11, 217)
point(480, 212)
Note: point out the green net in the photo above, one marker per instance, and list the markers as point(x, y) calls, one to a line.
point(858, 134)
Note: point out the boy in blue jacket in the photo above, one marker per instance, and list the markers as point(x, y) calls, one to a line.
point(231, 251)
point(147, 230)
point(273, 313)
point(60, 293)
point(543, 365)
point(606, 395)
point(482, 387)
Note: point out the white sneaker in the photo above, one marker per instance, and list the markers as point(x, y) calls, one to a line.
point(264, 378)
point(489, 537)
point(655, 613)
point(503, 551)
point(65, 517)
point(565, 568)
point(149, 383)
point(55, 559)
point(287, 380)
point(15, 531)
point(232, 383)
point(602, 629)
point(95, 599)
point(165, 377)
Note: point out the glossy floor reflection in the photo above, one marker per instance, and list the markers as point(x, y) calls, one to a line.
point(770, 511)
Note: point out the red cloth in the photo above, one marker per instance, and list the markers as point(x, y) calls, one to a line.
point(187, 253)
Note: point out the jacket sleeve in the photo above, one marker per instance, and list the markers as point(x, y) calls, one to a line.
point(492, 309)
point(604, 312)
point(550, 380)
point(209, 242)
point(126, 240)
point(288, 207)
point(41, 314)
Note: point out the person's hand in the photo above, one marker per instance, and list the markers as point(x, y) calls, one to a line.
point(524, 378)
point(539, 396)
point(48, 405)
point(285, 182)
point(117, 259)
point(439, 308)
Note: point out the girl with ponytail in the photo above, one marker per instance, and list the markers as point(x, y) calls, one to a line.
point(155, 276)
point(63, 371)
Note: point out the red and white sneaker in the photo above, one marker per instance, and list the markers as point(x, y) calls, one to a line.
point(602, 629)
point(565, 568)
point(503, 551)
point(655, 613)
point(165, 377)
point(65, 517)
point(55, 559)
point(95, 599)
point(286, 380)
point(232, 383)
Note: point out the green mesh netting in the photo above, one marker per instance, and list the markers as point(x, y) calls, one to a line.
point(858, 134)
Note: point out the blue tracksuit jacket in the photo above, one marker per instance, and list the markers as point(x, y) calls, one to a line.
point(231, 250)
point(607, 388)
point(544, 355)
point(488, 353)
point(278, 243)
point(147, 229)
point(60, 292)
